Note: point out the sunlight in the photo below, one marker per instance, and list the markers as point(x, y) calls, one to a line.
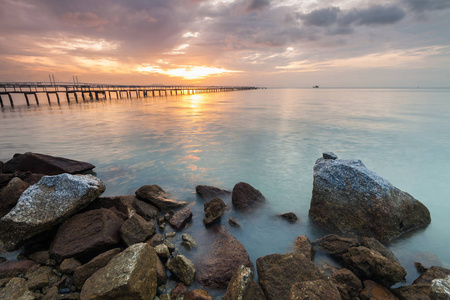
point(186, 72)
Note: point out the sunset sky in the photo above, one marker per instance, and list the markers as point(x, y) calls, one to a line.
point(282, 43)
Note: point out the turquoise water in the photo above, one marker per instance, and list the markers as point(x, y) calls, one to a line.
point(268, 138)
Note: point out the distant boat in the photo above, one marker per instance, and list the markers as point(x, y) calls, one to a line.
point(315, 87)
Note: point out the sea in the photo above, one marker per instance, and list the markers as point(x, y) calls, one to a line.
point(269, 138)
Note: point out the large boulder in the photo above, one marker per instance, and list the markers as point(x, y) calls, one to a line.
point(208, 192)
point(129, 275)
point(87, 234)
point(223, 258)
point(440, 288)
point(242, 286)
point(214, 209)
point(45, 164)
point(10, 194)
point(47, 203)
point(278, 272)
point(155, 195)
point(349, 198)
point(244, 196)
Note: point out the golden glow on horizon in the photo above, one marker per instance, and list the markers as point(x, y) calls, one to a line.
point(186, 72)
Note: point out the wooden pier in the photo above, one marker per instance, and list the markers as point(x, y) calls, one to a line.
point(94, 92)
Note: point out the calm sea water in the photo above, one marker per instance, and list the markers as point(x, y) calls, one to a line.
point(268, 138)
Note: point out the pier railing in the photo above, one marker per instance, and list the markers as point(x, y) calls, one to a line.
point(91, 92)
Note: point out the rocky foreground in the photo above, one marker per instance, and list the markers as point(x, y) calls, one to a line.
point(75, 244)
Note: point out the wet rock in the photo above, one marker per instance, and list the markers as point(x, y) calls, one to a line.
point(214, 209)
point(14, 268)
point(156, 196)
point(440, 288)
point(161, 275)
point(375, 291)
point(181, 218)
point(329, 155)
point(123, 204)
point(198, 295)
point(87, 234)
point(335, 245)
point(155, 240)
point(417, 291)
point(314, 290)
point(16, 289)
point(369, 264)
point(147, 211)
point(179, 291)
point(82, 273)
point(188, 238)
point(278, 272)
point(69, 265)
point(170, 234)
point(223, 258)
point(163, 251)
point(242, 286)
point(244, 196)
point(182, 268)
point(45, 164)
point(289, 216)
point(349, 198)
point(40, 277)
point(47, 203)
point(375, 245)
point(209, 192)
point(431, 274)
point(303, 245)
point(136, 230)
point(233, 222)
point(347, 283)
point(169, 245)
point(131, 274)
point(10, 194)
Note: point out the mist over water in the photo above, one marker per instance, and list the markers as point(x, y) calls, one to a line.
point(267, 138)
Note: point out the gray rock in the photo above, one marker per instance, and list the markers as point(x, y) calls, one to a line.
point(440, 289)
point(136, 230)
point(244, 196)
point(209, 192)
point(156, 196)
point(131, 274)
point(47, 203)
point(329, 155)
point(349, 198)
point(182, 268)
point(214, 209)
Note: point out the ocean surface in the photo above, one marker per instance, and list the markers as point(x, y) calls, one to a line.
point(269, 138)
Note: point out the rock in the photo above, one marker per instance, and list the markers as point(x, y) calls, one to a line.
point(233, 222)
point(16, 289)
point(369, 264)
point(155, 240)
point(374, 291)
point(223, 258)
point(214, 209)
point(182, 268)
point(10, 194)
point(169, 235)
point(33, 178)
point(169, 245)
point(87, 234)
point(45, 164)
point(82, 273)
point(349, 198)
point(303, 245)
point(188, 238)
point(335, 245)
point(375, 245)
point(209, 192)
point(440, 288)
point(289, 216)
point(347, 283)
point(136, 230)
point(131, 274)
point(40, 277)
point(329, 155)
point(431, 274)
point(42, 258)
point(147, 211)
point(14, 268)
point(69, 265)
point(5, 178)
point(123, 204)
point(278, 272)
point(156, 196)
point(181, 218)
point(179, 291)
point(242, 286)
point(244, 196)
point(198, 295)
point(163, 252)
point(314, 290)
point(47, 203)
point(161, 275)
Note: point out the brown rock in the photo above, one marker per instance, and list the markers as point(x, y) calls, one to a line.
point(45, 164)
point(147, 211)
point(369, 264)
point(303, 245)
point(129, 275)
point(335, 245)
point(155, 240)
point(182, 268)
point(214, 209)
point(82, 273)
point(33, 178)
point(123, 204)
point(198, 295)
point(87, 234)
point(289, 216)
point(278, 272)
point(137, 230)
point(40, 277)
point(209, 192)
point(156, 196)
point(245, 196)
point(161, 272)
point(181, 218)
point(5, 178)
point(69, 265)
point(243, 287)
point(314, 290)
point(16, 289)
point(347, 283)
point(223, 258)
point(418, 291)
point(431, 274)
point(42, 258)
point(374, 244)
point(374, 291)
point(13, 268)
point(10, 194)
point(179, 290)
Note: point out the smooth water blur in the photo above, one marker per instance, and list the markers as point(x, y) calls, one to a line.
point(268, 138)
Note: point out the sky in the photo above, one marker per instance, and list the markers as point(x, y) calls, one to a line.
point(282, 43)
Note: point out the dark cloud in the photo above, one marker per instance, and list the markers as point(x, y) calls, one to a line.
point(377, 15)
point(427, 5)
point(322, 17)
point(257, 4)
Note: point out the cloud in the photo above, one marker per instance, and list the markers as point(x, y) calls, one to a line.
point(258, 5)
point(427, 5)
point(83, 19)
point(375, 15)
point(322, 17)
